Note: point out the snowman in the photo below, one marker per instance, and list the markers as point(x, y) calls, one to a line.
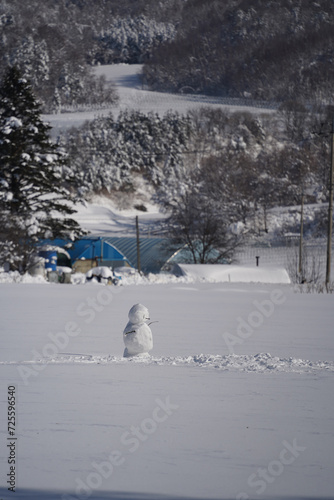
point(137, 334)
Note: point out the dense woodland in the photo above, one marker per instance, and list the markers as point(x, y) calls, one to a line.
point(55, 43)
point(273, 50)
point(277, 49)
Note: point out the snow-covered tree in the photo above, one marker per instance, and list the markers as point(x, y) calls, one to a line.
point(204, 228)
point(35, 181)
point(106, 152)
point(131, 40)
point(32, 58)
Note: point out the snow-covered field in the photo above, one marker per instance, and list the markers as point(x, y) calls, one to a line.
point(235, 402)
point(132, 95)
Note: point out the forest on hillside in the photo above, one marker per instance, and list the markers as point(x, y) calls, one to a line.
point(273, 50)
point(55, 43)
point(243, 164)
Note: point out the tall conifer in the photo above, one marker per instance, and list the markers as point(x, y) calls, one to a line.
point(35, 180)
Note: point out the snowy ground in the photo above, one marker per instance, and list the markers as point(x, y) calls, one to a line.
point(235, 402)
point(211, 414)
point(101, 216)
point(133, 96)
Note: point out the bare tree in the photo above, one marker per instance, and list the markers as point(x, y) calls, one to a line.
point(203, 217)
point(294, 114)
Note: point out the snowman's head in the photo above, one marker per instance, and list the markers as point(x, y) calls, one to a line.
point(138, 314)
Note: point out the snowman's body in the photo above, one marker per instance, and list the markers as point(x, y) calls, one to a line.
point(137, 334)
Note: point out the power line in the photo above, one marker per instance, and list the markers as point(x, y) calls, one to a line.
point(198, 151)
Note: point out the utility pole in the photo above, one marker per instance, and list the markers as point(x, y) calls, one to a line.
point(138, 245)
point(330, 212)
point(300, 267)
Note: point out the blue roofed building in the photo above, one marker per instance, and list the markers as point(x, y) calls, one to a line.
point(87, 253)
point(113, 252)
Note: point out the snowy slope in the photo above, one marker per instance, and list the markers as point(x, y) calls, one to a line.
point(132, 95)
point(210, 415)
point(101, 216)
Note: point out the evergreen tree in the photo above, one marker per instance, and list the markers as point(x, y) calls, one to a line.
point(35, 180)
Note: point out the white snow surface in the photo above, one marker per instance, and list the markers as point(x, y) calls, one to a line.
point(126, 80)
point(235, 274)
point(101, 216)
point(235, 401)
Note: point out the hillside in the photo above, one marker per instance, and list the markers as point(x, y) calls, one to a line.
point(111, 208)
point(55, 43)
point(273, 50)
point(262, 155)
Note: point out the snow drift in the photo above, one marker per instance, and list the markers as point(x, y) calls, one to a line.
point(236, 274)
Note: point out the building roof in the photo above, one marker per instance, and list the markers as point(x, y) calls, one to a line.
point(95, 248)
point(88, 248)
point(154, 252)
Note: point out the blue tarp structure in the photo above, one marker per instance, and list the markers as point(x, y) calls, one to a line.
point(92, 248)
point(118, 251)
point(97, 248)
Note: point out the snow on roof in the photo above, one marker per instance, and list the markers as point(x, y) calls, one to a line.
point(54, 248)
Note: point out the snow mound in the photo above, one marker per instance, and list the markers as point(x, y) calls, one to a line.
point(259, 363)
point(16, 277)
point(216, 273)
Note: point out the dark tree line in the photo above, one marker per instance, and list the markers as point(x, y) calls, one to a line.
point(272, 50)
point(276, 50)
point(55, 43)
